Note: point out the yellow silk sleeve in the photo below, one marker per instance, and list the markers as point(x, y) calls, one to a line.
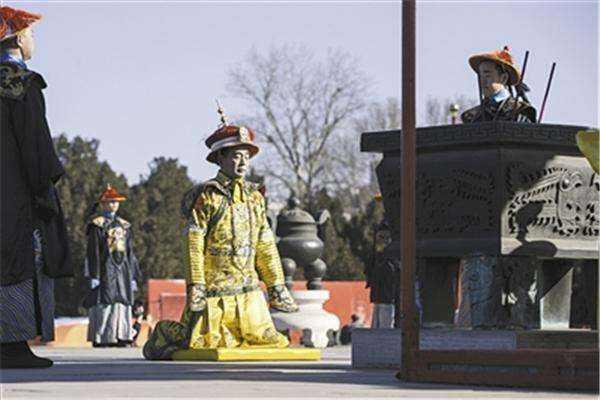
point(194, 242)
point(268, 263)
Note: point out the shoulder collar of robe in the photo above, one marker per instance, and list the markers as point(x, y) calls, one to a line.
point(224, 180)
point(102, 222)
point(221, 183)
point(524, 108)
point(16, 80)
point(190, 198)
point(226, 184)
point(126, 224)
point(510, 107)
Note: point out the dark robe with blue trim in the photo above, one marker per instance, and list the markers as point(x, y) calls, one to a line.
point(29, 169)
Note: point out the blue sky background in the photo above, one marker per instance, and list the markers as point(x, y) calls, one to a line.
point(142, 76)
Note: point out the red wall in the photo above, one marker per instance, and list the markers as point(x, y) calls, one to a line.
point(161, 298)
point(166, 299)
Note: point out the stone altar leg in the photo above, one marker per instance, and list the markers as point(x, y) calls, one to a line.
point(498, 293)
point(481, 293)
point(519, 295)
point(584, 299)
point(438, 278)
point(556, 280)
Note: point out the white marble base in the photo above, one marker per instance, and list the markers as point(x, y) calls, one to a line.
point(311, 319)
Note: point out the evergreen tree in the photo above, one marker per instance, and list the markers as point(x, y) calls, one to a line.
point(346, 237)
point(157, 220)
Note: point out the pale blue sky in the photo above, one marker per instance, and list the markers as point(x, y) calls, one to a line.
point(142, 76)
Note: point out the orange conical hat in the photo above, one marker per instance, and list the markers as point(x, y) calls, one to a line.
point(500, 57)
point(12, 21)
point(110, 194)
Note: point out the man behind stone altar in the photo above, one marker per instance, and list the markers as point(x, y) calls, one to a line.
point(497, 73)
point(495, 292)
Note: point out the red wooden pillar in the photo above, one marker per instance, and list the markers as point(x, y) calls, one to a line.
point(408, 317)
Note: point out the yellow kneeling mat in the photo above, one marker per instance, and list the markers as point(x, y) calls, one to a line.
point(248, 354)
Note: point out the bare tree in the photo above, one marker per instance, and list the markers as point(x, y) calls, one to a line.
point(380, 116)
point(437, 112)
point(359, 172)
point(301, 105)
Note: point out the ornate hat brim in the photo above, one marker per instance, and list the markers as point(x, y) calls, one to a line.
point(513, 74)
point(212, 156)
point(13, 34)
point(109, 199)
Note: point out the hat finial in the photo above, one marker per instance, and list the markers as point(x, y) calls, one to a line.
point(222, 115)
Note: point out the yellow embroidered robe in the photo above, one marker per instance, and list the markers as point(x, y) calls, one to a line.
point(229, 248)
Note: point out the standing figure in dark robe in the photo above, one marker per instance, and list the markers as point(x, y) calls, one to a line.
point(382, 279)
point(113, 272)
point(497, 73)
point(34, 247)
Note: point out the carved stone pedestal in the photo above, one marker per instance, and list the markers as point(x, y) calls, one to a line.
point(311, 319)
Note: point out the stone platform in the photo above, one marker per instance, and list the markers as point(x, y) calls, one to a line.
point(252, 354)
point(381, 348)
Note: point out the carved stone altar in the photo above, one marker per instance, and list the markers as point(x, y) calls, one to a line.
point(501, 189)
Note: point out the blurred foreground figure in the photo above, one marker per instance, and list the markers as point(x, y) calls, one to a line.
point(34, 241)
point(229, 248)
point(589, 144)
point(113, 272)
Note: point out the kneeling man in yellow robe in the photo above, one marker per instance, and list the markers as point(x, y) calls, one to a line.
point(230, 248)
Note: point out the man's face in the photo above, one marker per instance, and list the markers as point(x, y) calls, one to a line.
point(26, 43)
point(235, 162)
point(111, 206)
point(492, 81)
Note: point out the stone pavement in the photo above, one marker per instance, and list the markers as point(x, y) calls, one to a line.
point(86, 373)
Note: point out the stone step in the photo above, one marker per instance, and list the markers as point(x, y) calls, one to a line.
point(381, 348)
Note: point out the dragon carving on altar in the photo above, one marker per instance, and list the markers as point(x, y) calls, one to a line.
point(567, 201)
